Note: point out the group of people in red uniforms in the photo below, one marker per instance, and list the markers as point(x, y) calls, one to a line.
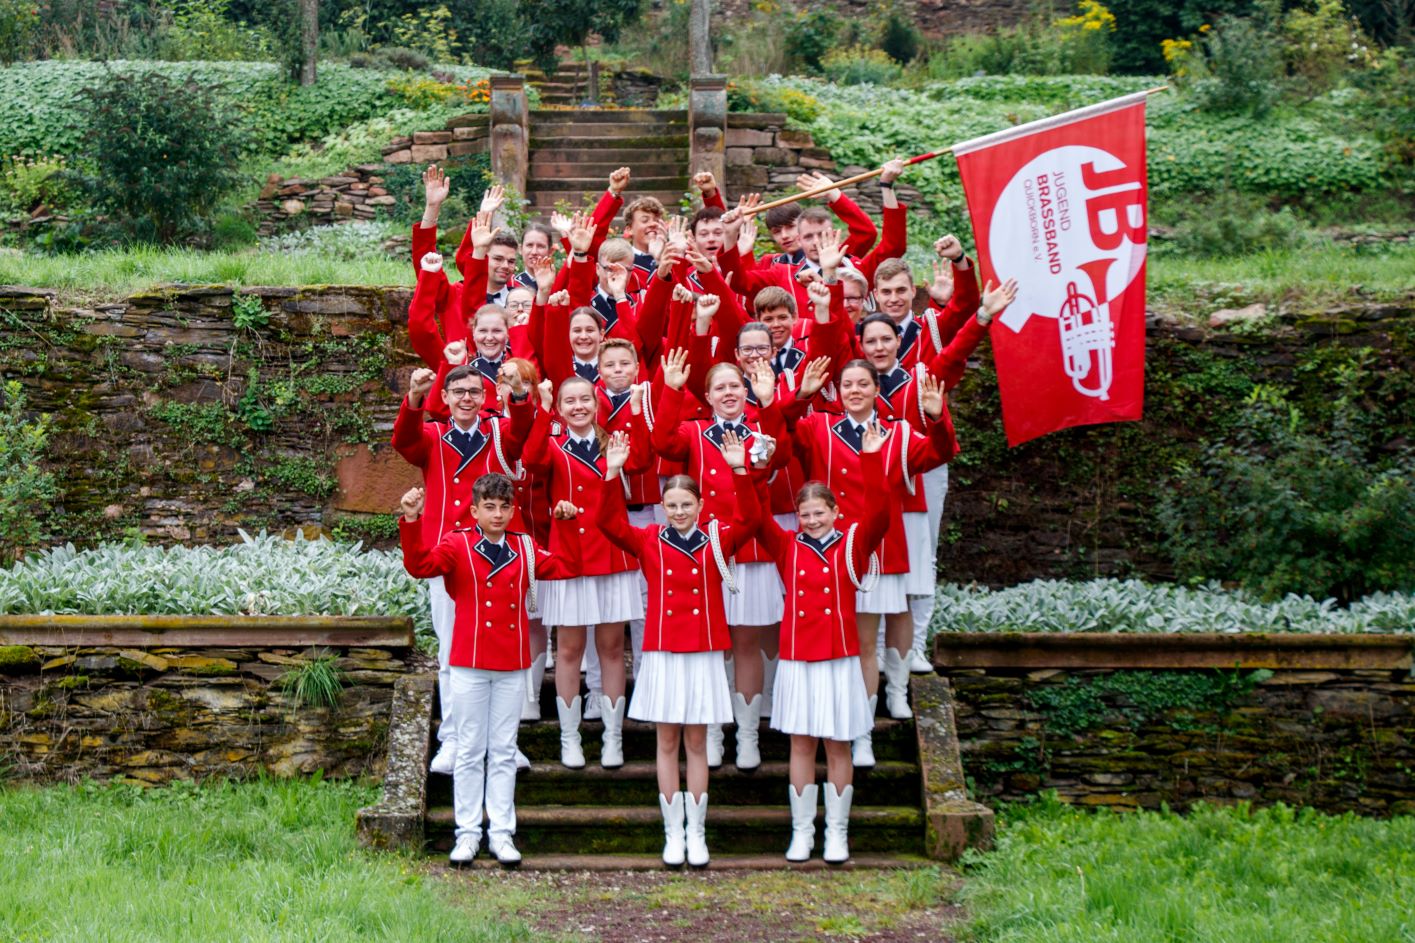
point(741, 460)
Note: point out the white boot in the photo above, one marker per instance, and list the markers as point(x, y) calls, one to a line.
point(862, 749)
point(749, 719)
point(571, 753)
point(768, 683)
point(921, 610)
point(530, 710)
point(803, 822)
point(445, 759)
point(695, 830)
point(611, 751)
point(837, 824)
point(896, 685)
point(714, 745)
point(673, 834)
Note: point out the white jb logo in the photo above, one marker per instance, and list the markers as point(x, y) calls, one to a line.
point(1070, 227)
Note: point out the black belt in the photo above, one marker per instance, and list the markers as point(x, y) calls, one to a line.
point(638, 507)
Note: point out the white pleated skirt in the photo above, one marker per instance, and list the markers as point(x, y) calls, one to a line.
point(821, 699)
point(683, 688)
point(591, 600)
point(891, 594)
point(923, 554)
point(760, 596)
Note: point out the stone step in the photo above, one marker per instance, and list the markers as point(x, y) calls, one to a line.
point(572, 139)
point(617, 156)
point(544, 169)
point(639, 829)
point(612, 116)
point(583, 183)
point(894, 740)
point(890, 782)
point(544, 203)
point(720, 862)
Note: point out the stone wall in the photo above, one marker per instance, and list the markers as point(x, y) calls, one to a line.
point(1334, 738)
point(765, 156)
point(153, 713)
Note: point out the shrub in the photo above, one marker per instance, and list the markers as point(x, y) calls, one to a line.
point(232, 231)
point(400, 57)
point(202, 30)
point(1086, 37)
point(1234, 224)
point(1321, 43)
point(429, 31)
point(1239, 70)
point(316, 683)
point(19, 24)
point(29, 183)
point(811, 36)
point(25, 488)
point(1281, 506)
point(859, 65)
point(772, 97)
point(899, 37)
point(162, 153)
point(354, 241)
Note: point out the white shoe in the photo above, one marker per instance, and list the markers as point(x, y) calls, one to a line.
point(530, 708)
point(918, 664)
point(674, 849)
point(505, 852)
point(592, 706)
point(611, 751)
point(572, 754)
point(862, 749)
point(695, 829)
point(445, 759)
point(896, 685)
point(714, 745)
point(837, 824)
point(522, 761)
point(803, 822)
point(768, 684)
point(749, 718)
point(465, 850)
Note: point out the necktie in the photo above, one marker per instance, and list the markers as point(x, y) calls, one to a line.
point(587, 449)
point(492, 552)
point(465, 442)
point(588, 371)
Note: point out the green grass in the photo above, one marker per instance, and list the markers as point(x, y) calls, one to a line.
point(1214, 876)
point(268, 861)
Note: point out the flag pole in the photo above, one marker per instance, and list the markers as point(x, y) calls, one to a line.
point(860, 178)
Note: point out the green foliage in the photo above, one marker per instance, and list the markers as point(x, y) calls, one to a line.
point(202, 30)
point(26, 488)
point(299, 473)
point(316, 683)
point(428, 31)
point(1240, 69)
point(859, 65)
point(769, 96)
point(1284, 504)
point(232, 230)
point(195, 422)
point(164, 864)
point(19, 23)
point(248, 312)
point(469, 177)
point(553, 23)
point(1133, 606)
point(899, 37)
point(162, 153)
point(365, 528)
point(812, 35)
point(352, 242)
point(1273, 875)
point(29, 183)
point(1232, 224)
point(262, 575)
point(1140, 697)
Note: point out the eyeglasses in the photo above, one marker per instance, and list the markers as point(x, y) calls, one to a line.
point(759, 351)
point(465, 391)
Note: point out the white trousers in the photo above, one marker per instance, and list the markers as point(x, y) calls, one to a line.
point(488, 709)
point(922, 608)
point(443, 615)
point(646, 517)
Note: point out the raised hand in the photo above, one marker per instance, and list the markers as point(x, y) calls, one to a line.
point(669, 256)
point(455, 353)
point(941, 288)
point(560, 223)
point(636, 398)
point(683, 294)
point(676, 368)
point(763, 380)
point(560, 299)
point(512, 379)
point(872, 440)
point(763, 459)
point(996, 299)
point(814, 377)
point(431, 262)
point(564, 510)
point(814, 181)
point(616, 453)
point(619, 180)
point(542, 269)
point(412, 503)
point(656, 242)
point(546, 390)
point(832, 250)
point(436, 186)
point(493, 199)
point(708, 305)
point(930, 393)
point(734, 451)
point(581, 233)
point(618, 281)
point(705, 182)
point(948, 247)
point(700, 262)
point(420, 383)
point(819, 293)
point(892, 170)
point(483, 230)
point(677, 229)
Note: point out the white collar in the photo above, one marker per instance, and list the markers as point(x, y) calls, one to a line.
point(575, 438)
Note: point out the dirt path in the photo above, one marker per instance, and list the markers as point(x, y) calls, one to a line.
point(726, 906)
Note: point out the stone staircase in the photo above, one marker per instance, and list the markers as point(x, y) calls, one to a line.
point(569, 86)
point(572, 153)
point(909, 810)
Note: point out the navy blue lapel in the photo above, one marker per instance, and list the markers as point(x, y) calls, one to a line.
point(498, 560)
point(467, 445)
point(607, 309)
point(618, 401)
point(907, 339)
point(713, 434)
point(892, 382)
point(844, 430)
point(818, 547)
point(689, 545)
point(569, 447)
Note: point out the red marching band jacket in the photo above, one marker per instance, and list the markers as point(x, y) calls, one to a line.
point(449, 473)
point(819, 623)
point(489, 625)
point(685, 607)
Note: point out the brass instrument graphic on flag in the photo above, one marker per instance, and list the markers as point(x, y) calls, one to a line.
point(1088, 334)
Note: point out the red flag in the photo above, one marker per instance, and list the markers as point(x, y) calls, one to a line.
point(1060, 205)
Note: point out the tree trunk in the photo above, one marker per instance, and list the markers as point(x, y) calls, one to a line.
point(309, 40)
point(700, 38)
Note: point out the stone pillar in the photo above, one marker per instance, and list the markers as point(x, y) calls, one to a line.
point(510, 131)
point(707, 126)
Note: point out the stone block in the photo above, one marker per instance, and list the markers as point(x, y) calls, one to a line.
point(426, 153)
point(432, 137)
point(756, 119)
point(471, 133)
point(772, 156)
point(381, 200)
point(794, 139)
point(344, 209)
point(465, 148)
point(747, 137)
point(739, 156)
point(402, 156)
